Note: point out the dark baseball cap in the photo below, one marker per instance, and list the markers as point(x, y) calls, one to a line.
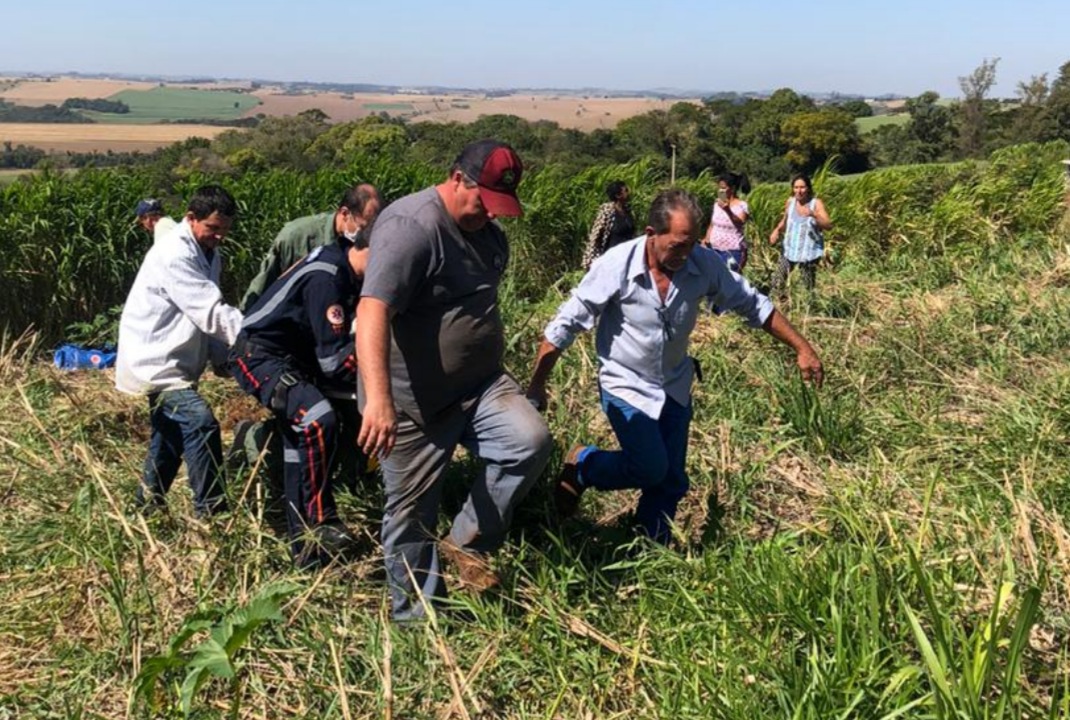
point(496, 169)
point(148, 205)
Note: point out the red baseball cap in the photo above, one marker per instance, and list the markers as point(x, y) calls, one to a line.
point(496, 169)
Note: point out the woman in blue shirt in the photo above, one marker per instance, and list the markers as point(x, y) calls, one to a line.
point(804, 242)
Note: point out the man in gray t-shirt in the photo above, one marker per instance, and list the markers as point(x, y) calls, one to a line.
point(429, 344)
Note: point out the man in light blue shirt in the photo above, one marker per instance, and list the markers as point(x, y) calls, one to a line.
point(645, 297)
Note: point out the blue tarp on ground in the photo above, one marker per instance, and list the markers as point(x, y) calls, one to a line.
point(76, 357)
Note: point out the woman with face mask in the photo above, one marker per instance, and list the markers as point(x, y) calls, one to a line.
point(804, 242)
point(729, 214)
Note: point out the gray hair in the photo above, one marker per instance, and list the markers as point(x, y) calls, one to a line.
point(669, 201)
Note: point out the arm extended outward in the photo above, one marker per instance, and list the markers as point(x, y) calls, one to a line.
point(805, 357)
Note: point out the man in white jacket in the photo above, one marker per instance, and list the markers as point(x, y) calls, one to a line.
point(173, 322)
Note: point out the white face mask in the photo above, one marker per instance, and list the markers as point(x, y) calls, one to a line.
point(351, 236)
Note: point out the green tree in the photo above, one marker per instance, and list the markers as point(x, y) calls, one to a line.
point(930, 132)
point(973, 111)
point(1058, 103)
point(857, 108)
point(814, 137)
point(765, 119)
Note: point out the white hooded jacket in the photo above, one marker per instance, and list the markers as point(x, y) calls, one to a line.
point(174, 317)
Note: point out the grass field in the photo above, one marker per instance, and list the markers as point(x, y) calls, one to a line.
point(9, 176)
point(895, 545)
point(168, 103)
point(866, 124)
point(388, 107)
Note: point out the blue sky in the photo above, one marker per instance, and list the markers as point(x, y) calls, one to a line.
point(905, 46)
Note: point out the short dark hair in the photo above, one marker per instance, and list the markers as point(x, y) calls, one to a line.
point(209, 199)
point(613, 189)
point(669, 201)
point(806, 179)
point(358, 197)
point(739, 182)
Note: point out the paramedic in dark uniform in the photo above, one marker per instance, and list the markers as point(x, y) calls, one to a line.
point(294, 352)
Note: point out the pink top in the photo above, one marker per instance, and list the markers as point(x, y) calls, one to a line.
point(724, 234)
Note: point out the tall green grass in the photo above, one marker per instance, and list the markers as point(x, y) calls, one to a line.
point(69, 243)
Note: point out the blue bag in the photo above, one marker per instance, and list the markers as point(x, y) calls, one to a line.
point(76, 357)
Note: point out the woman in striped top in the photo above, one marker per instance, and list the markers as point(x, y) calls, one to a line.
point(804, 242)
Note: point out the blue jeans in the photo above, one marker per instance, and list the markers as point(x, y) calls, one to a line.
point(652, 458)
point(504, 431)
point(736, 260)
point(183, 425)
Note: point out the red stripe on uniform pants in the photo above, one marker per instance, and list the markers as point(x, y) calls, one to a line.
point(323, 468)
point(248, 375)
point(311, 459)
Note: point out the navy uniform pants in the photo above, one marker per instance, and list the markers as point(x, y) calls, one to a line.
point(309, 439)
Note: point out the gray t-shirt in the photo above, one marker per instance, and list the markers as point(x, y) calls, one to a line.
point(442, 283)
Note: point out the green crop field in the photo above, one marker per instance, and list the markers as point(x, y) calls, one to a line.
point(867, 124)
point(166, 103)
point(388, 107)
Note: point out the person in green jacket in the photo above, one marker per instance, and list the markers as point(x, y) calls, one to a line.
point(352, 219)
point(255, 443)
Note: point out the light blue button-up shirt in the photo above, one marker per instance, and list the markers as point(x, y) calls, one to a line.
point(641, 341)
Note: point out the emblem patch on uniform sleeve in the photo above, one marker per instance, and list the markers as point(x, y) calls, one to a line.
point(336, 316)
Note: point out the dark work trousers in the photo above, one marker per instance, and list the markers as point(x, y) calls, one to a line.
point(263, 449)
point(309, 437)
point(183, 426)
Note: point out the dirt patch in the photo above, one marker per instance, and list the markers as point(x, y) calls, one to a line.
point(789, 498)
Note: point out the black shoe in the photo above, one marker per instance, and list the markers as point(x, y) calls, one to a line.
point(567, 487)
point(236, 456)
point(219, 507)
point(324, 544)
point(150, 505)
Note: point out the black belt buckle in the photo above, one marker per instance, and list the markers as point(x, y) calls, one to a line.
point(281, 393)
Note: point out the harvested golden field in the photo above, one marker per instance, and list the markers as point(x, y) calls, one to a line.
point(42, 91)
point(87, 138)
point(38, 91)
point(583, 113)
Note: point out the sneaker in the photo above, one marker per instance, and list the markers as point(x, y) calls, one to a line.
point(473, 569)
point(567, 487)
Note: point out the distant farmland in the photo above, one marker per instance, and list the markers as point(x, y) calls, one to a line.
point(100, 137)
point(168, 103)
point(571, 111)
point(868, 124)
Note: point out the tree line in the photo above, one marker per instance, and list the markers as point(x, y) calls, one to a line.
point(768, 138)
